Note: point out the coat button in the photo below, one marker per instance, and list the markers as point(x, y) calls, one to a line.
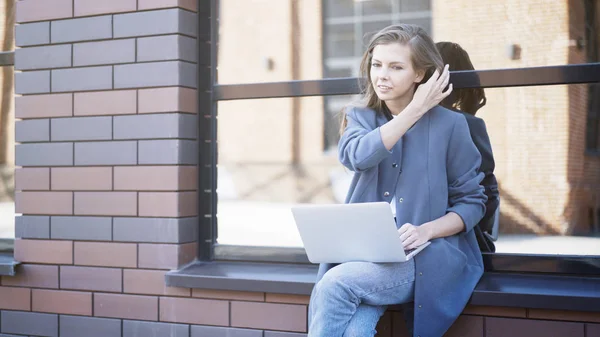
point(420, 274)
point(386, 194)
point(420, 306)
point(394, 165)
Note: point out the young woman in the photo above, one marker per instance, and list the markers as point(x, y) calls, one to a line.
point(468, 101)
point(419, 157)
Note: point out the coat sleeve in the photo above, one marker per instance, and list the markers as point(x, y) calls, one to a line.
point(360, 146)
point(466, 196)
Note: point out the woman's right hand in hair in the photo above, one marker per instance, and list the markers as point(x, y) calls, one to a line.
point(431, 93)
point(427, 95)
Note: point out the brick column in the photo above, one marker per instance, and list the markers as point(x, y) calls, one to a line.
point(107, 128)
point(108, 175)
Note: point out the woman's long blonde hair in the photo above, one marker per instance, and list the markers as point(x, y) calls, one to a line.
point(424, 57)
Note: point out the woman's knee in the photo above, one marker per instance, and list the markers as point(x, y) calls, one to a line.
point(328, 285)
point(334, 287)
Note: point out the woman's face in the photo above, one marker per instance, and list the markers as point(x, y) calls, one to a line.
point(392, 73)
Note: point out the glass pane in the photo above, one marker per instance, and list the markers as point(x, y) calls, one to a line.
point(514, 34)
point(7, 127)
point(256, 46)
point(424, 22)
point(268, 162)
point(374, 7)
point(334, 106)
point(416, 5)
point(7, 153)
point(340, 40)
point(549, 188)
point(339, 8)
point(340, 72)
point(371, 28)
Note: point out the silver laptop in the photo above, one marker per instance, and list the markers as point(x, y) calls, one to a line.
point(337, 233)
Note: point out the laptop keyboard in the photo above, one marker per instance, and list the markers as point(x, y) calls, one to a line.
point(408, 251)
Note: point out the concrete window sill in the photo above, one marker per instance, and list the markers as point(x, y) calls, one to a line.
point(539, 291)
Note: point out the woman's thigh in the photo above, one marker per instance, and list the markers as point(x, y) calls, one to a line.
point(364, 321)
point(374, 283)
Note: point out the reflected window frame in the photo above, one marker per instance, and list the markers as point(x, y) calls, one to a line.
point(209, 249)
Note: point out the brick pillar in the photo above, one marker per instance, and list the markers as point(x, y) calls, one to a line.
point(107, 152)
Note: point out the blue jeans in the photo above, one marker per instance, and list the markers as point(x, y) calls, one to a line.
point(351, 297)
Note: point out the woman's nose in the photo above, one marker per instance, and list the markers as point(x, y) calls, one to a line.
point(384, 73)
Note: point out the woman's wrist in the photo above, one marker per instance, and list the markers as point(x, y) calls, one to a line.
point(415, 110)
point(427, 231)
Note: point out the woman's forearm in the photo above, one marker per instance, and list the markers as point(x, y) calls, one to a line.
point(392, 131)
point(444, 226)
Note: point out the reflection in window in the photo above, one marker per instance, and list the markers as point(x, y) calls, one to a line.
point(547, 184)
point(267, 163)
point(414, 5)
point(550, 190)
point(376, 7)
point(340, 41)
point(326, 33)
point(335, 8)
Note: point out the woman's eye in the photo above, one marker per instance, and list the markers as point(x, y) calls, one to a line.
point(397, 68)
point(375, 65)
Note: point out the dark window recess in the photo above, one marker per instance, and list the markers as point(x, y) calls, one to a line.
point(592, 32)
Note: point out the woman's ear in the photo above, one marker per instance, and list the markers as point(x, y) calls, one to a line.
point(420, 76)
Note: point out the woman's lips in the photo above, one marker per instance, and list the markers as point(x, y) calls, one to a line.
point(383, 88)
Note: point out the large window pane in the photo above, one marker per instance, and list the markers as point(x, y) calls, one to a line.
point(257, 46)
point(267, 163)
point(549, 188)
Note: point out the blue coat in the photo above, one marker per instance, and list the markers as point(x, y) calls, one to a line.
point(433, 169)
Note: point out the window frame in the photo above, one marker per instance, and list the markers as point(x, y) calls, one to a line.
point(210, 93)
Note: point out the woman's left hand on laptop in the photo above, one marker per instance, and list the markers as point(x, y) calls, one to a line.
point(413, 236)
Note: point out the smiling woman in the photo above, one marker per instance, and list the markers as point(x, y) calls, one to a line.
point(406, 150)
point(393, 76)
